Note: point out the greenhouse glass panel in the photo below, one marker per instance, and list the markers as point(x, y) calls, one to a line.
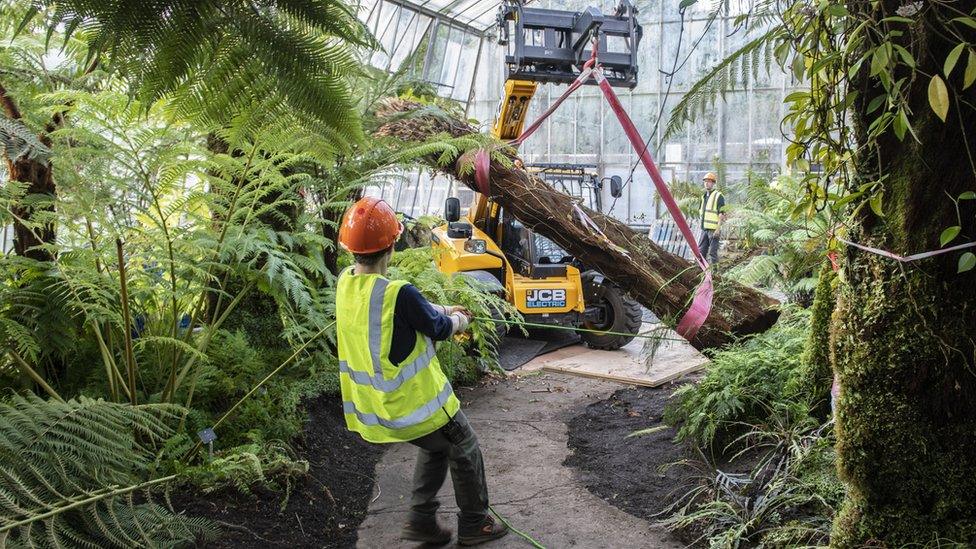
point(644, 112)
point(414, 30)
point(588, 125)
point(538, 144)
point(699, 10)
point(467, 60)
point(703, 133)
point(738, 133)
point(563, 124)
point(649, 60)
point(615, 141)
point(767, 137)
point(436, 55)
point(736, 127)
point(648, 10)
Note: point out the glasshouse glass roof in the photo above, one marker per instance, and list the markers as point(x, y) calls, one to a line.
point(476, 13)
point(473, 15)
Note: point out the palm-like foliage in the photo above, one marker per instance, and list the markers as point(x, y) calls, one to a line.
point(76, 474)
point(224, 58)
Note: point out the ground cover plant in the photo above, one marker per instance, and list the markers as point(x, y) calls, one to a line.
point(765, 465)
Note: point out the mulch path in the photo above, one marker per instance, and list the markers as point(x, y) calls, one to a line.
point(324, 508)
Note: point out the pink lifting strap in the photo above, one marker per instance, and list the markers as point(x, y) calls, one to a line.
point(906, 258)
point(701, 305)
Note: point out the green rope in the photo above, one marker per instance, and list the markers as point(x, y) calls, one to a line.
point(644, 335)
point(520, 533)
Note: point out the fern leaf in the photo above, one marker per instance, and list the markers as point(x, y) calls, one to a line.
point(720, 80)
point(70, 468)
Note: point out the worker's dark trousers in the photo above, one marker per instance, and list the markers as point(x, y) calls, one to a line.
point(708, 244)
point(456, 446)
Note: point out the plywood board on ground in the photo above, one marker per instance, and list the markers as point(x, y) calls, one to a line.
point(632, 364)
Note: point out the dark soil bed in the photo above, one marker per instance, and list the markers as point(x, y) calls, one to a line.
point(630, 473)
point(324, 508)
point(638, 474)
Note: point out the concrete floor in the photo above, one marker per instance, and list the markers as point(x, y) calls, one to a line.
point(521, 423)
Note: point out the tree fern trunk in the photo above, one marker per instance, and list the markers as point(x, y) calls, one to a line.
point(257, 316)
point(904, 338)
point(662, 282)
point(40, 179)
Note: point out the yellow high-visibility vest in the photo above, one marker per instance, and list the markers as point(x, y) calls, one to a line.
point(381, 401)
point(709, 211)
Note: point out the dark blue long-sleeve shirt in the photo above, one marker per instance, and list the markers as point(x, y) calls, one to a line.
point(411, 314)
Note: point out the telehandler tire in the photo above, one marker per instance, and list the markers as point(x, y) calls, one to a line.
point(624, 315)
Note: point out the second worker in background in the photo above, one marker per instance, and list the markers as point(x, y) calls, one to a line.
point(712, 210)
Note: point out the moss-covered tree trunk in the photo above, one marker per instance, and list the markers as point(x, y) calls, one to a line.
point(904, 338)
point(816, 376)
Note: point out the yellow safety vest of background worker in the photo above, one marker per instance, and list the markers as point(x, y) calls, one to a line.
point(393, 388)
point(712, 212)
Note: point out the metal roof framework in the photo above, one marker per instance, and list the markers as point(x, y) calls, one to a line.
point(476, 16)
point(439, 42)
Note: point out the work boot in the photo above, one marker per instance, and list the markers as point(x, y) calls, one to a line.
point(490, 530)
point(427, 532)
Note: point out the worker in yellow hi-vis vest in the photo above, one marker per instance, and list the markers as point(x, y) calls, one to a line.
point(712, 212)
point(393, 389)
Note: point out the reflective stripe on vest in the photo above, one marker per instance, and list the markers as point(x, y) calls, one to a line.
point(709, 211)
point(382, 401)
point(388, 385)
point(417, 416)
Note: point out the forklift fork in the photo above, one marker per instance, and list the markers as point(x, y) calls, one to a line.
point(567, 38)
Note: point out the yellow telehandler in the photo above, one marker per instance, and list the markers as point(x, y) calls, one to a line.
point(547, 285)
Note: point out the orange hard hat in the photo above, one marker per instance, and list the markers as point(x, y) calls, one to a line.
point(369, 226)
point(711, 176)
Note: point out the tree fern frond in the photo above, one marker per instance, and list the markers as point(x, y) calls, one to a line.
point(230, 54)
point(721, 79)
point(17, 140)
point(69, 469)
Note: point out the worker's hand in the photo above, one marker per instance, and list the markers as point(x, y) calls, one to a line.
point(460, 322)
point(459, 309)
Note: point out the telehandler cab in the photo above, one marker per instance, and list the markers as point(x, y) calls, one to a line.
point(547, 285)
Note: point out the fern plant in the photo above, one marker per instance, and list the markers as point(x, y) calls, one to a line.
point(784, 246)
point(76, 474)
point(154, 220)
point(458, 356)
point(17, 141)
point(223, 57)
point(745, 384)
